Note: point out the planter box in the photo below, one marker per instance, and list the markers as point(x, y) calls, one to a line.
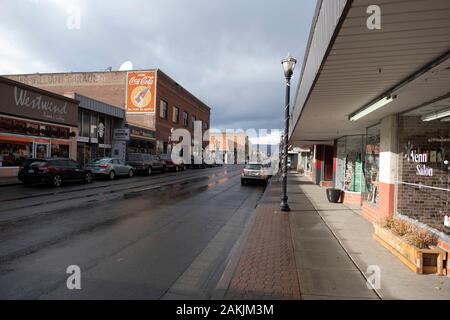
point(420, 261)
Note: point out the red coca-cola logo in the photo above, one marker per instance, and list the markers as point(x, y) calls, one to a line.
point(141, 81)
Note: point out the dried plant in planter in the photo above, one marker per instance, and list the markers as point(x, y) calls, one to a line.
point(388, 223)
point(401, 227)
point(421, 238)
point(415, 236)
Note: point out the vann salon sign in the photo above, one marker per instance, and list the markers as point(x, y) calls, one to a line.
point(421, 159)
point(22, 102)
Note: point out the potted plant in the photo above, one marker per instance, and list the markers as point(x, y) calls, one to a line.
point(334, 195)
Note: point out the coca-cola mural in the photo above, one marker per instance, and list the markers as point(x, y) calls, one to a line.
point(141, 92)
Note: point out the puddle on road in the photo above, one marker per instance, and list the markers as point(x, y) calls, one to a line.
point(175, 192)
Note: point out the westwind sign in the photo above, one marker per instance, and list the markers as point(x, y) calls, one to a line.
point(18, 101)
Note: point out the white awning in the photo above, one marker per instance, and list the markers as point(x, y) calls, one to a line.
point(407, 58)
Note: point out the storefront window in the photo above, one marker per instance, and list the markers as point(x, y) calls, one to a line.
point(100, 131)
point(28, 128)
point(33, 129)
point(60, 151)
point(86, 125)
point(80, 120)
point(94, 125)
point(41, 150)
point(354, 175)
point(6, 125)
point(159, 147)
point(14, 154)
point(349, 164)
point(19, 127)
point(140, 146)
point(108, 131)
point(372, 164)
point(423, 186)
point(340, 163)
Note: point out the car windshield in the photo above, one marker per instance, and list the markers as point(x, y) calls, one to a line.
point(166, 157)
point(253, 167)
point(135, 157)
point(28, 162)
point(38, 163)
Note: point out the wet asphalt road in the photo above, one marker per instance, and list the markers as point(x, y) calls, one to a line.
point(167, 236)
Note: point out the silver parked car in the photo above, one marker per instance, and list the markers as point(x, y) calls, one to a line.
point(254, 172)
point(111, 168)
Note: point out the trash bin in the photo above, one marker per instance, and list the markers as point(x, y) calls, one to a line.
point(334, 195)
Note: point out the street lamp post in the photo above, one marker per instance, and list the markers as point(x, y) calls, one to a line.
point(288, 67)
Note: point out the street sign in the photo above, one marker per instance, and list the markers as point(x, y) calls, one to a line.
point(122, 134)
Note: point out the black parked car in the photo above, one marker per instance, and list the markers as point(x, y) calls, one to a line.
point(146, 163)
point(54, 171)
point(25, 166)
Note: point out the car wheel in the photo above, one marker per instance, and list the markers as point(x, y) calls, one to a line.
point(27, 184)
point(243, 182)
point(112, 175)
point(149, 171)
point(163, 169)
point(131, 174)
point(57, 181)
point(88, 178)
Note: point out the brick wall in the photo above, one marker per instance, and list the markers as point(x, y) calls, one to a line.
point(426, 205)
point(371, 212)
point(177, 96)
point(352, 198)
point(327, 184)
point(109, 87)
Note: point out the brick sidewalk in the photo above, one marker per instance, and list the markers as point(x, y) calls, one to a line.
point(320, 249)
point(266, 268)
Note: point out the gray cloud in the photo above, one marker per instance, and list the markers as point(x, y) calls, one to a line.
point(227, 53)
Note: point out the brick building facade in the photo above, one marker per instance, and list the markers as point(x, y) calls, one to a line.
point(426, 141)
point(111, 87)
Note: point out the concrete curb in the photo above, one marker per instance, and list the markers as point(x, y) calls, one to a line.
point(10, 184)
point(235, 255)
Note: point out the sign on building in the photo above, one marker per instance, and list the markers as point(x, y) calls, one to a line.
point(122, 134)
point(141, 92)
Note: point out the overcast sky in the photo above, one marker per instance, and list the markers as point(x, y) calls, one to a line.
point(225, 52)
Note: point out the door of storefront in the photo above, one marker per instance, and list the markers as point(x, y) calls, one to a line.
point(328, 163)
point(41, 150)
point(83, 153)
